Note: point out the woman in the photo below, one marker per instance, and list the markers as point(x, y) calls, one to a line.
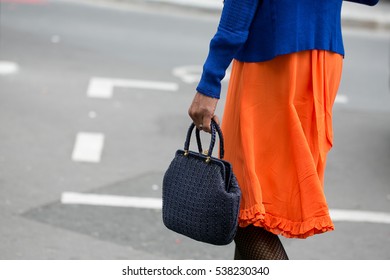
point(287, 63)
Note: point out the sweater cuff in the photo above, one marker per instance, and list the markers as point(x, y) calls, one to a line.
point(205, 90)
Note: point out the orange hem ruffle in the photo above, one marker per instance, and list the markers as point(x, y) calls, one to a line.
point(256, 216)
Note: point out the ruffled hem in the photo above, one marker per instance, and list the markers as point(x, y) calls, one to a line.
point(258, 217)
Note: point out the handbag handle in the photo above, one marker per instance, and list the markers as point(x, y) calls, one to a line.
point(214, 129)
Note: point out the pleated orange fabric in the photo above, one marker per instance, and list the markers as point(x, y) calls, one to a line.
point(277, 126)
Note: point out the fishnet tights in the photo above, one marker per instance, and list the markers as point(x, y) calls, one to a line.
point(256, 243)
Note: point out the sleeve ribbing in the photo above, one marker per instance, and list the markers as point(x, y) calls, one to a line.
point(232, 32)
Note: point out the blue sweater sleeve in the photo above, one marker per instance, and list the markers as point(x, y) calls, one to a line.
point(232, 32)
point(365, 2)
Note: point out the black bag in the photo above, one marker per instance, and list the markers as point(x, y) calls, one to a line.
point(201, 196)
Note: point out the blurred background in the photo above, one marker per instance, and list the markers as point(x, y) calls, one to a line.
point(93, 105)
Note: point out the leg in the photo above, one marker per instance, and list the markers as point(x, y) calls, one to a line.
point(256, 243)
point(237, 255)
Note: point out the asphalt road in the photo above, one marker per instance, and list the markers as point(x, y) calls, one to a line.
point(148, 60)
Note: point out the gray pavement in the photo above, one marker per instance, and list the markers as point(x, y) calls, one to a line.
point(352, 13)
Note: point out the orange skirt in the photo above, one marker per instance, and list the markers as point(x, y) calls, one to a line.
point(277, 126)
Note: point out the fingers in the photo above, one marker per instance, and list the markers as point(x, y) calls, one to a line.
point(216, 119)
point(206, 123)
point(203, 123)
point(206, 126)
point(202, 111)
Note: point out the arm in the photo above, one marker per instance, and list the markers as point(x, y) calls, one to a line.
point(233, 29)
point(232, 33)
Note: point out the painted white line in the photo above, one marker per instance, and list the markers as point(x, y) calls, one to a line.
point(341, 99)
point(104, 87)
point(188, 74)
point(88, 147)
point(337, 215)
point(359, 216)
point(8, 67)
point(55, 39)
point(205, 4)
point(191, 74)
point(111, 200)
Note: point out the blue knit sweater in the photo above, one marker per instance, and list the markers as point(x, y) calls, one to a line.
point(259, 30)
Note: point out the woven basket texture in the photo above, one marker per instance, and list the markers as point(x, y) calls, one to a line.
point(196, 200)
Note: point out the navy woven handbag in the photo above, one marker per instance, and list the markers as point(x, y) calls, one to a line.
point(201, 196)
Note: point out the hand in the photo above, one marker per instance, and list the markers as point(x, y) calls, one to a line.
point(202, 111)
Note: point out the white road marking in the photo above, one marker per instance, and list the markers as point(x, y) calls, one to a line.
point(55, 39)
point(88, 147)
point(111, 200)
point(360, 216)
point(188, 74)
point(191, 74)
point(103, 87)
point(92, 114)
point(8, 67)
point(337, 215)
point(342, 99)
